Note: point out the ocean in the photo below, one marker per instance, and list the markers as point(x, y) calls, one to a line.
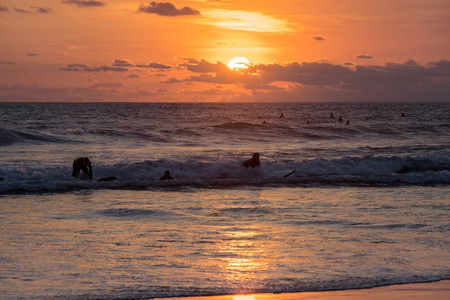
point(368, 204)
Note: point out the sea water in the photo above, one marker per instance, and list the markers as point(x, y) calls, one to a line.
point(368, 204)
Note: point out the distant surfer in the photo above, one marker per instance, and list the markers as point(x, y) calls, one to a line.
point(331, 116)
point(340, 119)
point(403, 115)
point(253, 162)
point(265, 123)
point(282, 115)
point(166, 176)
point(348, 122)
point(82, 164)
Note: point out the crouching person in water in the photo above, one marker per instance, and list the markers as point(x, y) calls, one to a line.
point(82, 164)
point(253, 162)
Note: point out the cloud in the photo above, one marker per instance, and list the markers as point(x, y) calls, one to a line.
point(398, 82)
point(204, 66)
point(32, 54)
point(108, 85)
point(318, 38)
point(37, 9)
point(43, 10)
point(133, 76)
point(6, 62)
point(364, 56)
point(88, 3)
point(19, 10)
point(171, 80)
point(122, 63)
point(246, 21)
point(4, 8)
point(86, 68)
point(154, 65)
point(167, 9)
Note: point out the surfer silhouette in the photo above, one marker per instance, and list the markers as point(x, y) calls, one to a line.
point(340, 119)
point(282, 115)
point(82, 164)
point(166, 176)
point(253, 162)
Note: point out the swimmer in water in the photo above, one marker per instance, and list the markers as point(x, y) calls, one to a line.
point(166, 176)
point(253, 162)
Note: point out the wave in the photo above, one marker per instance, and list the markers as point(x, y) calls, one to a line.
point(347, 171)
point(10, 137)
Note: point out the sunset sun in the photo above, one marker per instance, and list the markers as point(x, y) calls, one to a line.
point(238, 63)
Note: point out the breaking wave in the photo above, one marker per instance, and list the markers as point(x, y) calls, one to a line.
point(346, 171)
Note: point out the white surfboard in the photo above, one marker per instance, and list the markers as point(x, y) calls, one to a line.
point(282, 173)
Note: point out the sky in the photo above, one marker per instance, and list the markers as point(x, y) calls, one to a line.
point(178, 51)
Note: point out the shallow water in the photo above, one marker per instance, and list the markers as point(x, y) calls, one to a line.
point(135, 244)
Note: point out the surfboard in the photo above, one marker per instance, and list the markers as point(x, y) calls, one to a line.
point(112, 178)
point(282, 173)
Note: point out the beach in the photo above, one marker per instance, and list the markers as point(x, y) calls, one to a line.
point(419, 291)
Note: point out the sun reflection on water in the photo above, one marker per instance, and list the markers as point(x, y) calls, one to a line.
point(242, 257)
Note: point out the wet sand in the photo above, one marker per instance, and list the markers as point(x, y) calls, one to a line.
point(439, 290)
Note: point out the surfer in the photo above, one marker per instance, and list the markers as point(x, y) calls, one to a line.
point(348, 122)
point(340, 119)
point(82, 164)
point(331, 116)
point(253, 162)
point(166, 176)
point(282, 115)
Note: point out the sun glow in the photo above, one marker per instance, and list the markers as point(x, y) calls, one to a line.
point(238, 63)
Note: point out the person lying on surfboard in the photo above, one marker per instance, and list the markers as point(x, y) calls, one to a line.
point(82, 164)
point(253, 162)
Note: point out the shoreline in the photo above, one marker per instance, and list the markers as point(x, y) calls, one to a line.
point(438, 290)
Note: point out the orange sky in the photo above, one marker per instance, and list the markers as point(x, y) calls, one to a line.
point(299, 50)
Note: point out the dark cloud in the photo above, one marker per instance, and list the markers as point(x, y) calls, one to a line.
point(86, 68)
point(133, 76)
point(42, 10)
point(318, 38)
point(171, 80)
point(204, 66)
point(19, 10)
point(35, 9)
point(122, 63)
point(6, 62)
point(108, 85)
point(81, 3)
point(399, 82)
point(154, 65)
point(32, 54)
point(364, 56)
point(189, 60)
point(4, 8)
point(167, 9)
